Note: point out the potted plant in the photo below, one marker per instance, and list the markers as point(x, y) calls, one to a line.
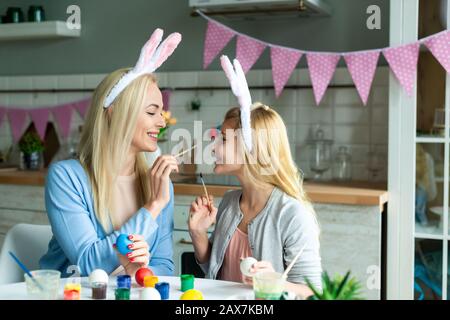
point(338, 288)
point(31, 148)
point(169, 120)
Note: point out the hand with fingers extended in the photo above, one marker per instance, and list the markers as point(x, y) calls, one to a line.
point(160, 183)
point(260, 266)
point(202, 215)
point(138, 257)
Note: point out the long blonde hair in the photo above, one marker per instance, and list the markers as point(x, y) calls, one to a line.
point(271, 153)
point(106, 139)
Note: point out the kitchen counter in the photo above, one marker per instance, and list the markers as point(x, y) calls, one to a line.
point(353, 193)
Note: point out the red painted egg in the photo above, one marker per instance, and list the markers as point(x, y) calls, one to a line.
point(141, 274)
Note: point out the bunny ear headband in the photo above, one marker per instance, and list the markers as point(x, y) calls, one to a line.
point(151, 58)
point(239, 86)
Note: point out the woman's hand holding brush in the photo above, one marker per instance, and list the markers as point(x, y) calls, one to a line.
point(160, 183)
point(202, 215)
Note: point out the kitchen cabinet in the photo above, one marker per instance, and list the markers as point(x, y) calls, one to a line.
point(419, 159)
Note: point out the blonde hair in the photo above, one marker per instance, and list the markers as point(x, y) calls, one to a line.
point(271, 153)
point(106, 139)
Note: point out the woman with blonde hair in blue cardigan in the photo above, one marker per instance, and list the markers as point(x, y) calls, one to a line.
point(110, 189)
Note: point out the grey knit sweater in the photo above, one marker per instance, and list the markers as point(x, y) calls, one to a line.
point(276, 234)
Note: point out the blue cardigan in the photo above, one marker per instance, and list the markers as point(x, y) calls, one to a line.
point(78, 237)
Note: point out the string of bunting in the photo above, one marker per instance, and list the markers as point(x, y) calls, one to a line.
point(19, 117)
point(361, 65)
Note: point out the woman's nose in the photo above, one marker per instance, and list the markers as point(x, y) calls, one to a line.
point(161, 123)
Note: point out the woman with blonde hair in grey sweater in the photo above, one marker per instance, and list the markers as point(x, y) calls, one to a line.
point(270, 218)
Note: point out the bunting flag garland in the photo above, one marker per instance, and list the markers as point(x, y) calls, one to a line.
point(82, 107)
point(284, 62)
point(62, 114)
point(217, 37)
point(40, 119)
point(17, 119)
point(440, 48)
point(248, 51)
point(362, 65)
point(166, 99)
point(321, 70)
point(403, 62)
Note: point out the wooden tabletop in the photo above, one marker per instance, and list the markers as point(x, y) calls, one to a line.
point(354, 193)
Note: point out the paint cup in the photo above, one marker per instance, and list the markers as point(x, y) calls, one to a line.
point(268, 285)
point(150, 281)
point(124, 281)
point(49, 281)
point(187, 282)
point(99, 290)
point(72, 291)
point(122, 294)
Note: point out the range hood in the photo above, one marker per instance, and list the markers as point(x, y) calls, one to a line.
point(257, 9)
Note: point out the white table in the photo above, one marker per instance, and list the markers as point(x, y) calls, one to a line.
point(211, 289)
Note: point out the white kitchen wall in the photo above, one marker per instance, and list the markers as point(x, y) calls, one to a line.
point(341, 114)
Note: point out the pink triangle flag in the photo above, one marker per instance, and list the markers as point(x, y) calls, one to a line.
point(17, 119)
point(40, 119)
point(362, 67)
point(321, 69)
point(440, 48)
point(166, 99)
point(403, 62)
point(284, 61)
point(63, 116)
point(248, 51)
point(217, 37)
point(82, 107)
point(2, 114)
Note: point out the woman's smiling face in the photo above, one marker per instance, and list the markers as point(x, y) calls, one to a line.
point(149, 122)
point(228, 159)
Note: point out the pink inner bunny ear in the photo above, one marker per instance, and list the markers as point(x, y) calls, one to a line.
point(149, 48)
point(166, 49)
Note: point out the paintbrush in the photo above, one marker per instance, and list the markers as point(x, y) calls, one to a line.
point(206, 191)
point(285, 273)
point(185, 151)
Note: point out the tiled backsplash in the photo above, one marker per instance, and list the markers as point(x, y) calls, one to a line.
point(341, 114)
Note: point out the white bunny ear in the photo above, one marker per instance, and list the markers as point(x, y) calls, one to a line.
point(164, 51)
point(239, 86)
point(230, 73)
point(227, 67)
point(149, 48)
point(152, 56)
point(240, 74)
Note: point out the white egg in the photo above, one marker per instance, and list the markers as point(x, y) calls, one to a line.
point(150, 293)
point(98, 275)
point(246, 264)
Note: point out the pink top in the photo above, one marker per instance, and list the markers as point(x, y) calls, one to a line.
point(237, 248)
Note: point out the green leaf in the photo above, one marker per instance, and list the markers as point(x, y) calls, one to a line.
point(342, 284)
point(313, 289)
